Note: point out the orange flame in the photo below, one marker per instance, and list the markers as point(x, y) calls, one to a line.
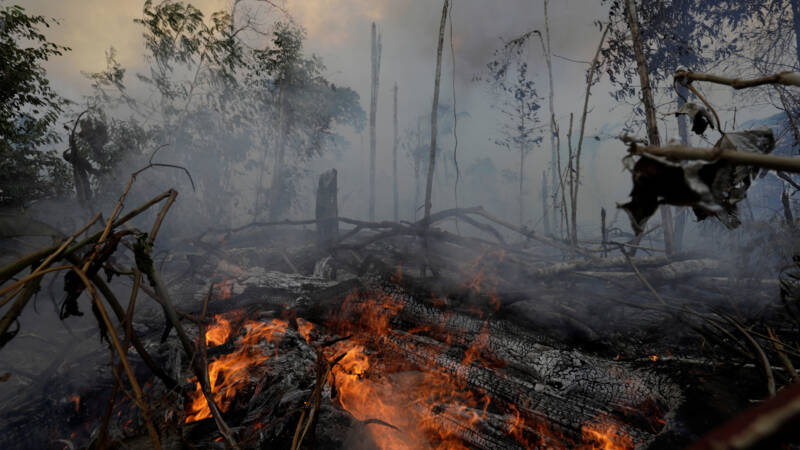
point(605, 436)
point(230, 373)
point(219, 332)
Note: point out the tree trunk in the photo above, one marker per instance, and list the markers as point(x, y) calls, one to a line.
point(553, 169)
point(571, 184)
point(434, 115)
point(521, 180)
point(276, 187)
point(545, 206)
point(683, 132)
point(373, 108)
point(394, 161)
point(650, 112)
point(327, 209)
point(521, 164)
point(796, 16)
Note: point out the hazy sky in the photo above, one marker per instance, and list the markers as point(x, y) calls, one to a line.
point(338, 31)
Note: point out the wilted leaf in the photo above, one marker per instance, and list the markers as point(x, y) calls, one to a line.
point(711, 188)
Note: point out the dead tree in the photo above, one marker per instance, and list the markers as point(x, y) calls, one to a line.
point(577, 166)
point(327, 209)
point(373, 109)
point(650, 112)
point(553, 131)
point(434, 130)
point(394, 161)
point(434, 110)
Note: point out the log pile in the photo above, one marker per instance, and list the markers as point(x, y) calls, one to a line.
point(340, 344)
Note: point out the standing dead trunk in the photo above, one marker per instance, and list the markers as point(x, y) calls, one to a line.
point(521, 169)
point(375, 65)
point(434, 115)
point(434, 131)
point(603, 231)
point(545, 205)
point(577, 166)
point(276, 187)
point(650, 112)
point(394, 160)
point(553, 169)
point(683, 132)
point(571, 184)
point(327, 209)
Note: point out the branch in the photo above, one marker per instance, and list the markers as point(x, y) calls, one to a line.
point(784, 78)
point(683, 152)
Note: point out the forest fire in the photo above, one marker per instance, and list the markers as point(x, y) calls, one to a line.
point(424, 407)
point(229, 373)
point(502, 297)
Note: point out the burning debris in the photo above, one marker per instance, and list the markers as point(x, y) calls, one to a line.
point(457, 330)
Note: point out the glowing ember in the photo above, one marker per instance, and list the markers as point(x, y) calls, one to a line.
point(605, 437)
point(653, 358)
point(76, 399)
point(230, 373)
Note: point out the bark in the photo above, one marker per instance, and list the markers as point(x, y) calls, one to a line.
point(394, 160)
point(650, 111)
point(373, 109)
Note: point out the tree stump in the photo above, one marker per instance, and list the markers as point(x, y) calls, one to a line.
point(327, 210)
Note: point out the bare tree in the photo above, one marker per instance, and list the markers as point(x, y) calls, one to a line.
point(577, 163)
point(434, 113)
point(394, 160)
point(553, 170)
point(373, 109)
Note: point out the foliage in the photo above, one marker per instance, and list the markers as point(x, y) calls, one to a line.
point(29, 109)
point(674, 33)
point(520, 105)
point(294, 98)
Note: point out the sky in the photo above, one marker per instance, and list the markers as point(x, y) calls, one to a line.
point(338, 31)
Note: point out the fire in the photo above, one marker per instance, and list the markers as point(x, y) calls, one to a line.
point(479, 281)
point(653, 358)
point(424, 405)
point(305, 328)
point(219, 332)
point(230, 373)
point(604, 436)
